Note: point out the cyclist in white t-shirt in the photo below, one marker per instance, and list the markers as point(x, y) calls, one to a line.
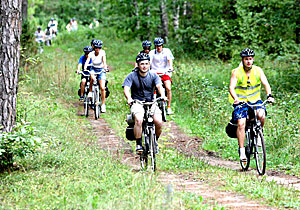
point(161, 63)
point(98, 58)
point(53, 26)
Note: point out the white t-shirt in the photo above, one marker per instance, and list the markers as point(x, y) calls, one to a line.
point(159, 61)
point(39, 36)
point(53, 25)
point(97, 61)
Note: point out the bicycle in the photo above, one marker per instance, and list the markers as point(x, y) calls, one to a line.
point(253, 134)
point(85, 93)
point(163, 104)
point(95, 101)
point(148, 135)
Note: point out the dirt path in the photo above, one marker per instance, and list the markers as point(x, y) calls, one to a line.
point(187, 182)
point(190, 147)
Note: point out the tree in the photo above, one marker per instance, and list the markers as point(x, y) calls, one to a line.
point(164, 20)
point(11, 27)
point(24, 10)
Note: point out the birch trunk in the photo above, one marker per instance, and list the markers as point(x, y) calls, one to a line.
point(11, 27)
point(176, 11)
point(136, 13)
point(164, 20)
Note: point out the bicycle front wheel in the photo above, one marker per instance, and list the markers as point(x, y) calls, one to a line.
point(86, 106)
point(97, 104)
point(260, 153)
point(152, 148)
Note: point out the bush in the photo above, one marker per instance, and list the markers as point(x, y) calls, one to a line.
point(23, 140)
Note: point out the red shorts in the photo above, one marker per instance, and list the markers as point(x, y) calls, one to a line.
point(165, 77)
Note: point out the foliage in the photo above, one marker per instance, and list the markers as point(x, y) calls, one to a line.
point(23, 140)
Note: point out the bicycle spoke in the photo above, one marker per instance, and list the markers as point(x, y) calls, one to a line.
point(260, 154)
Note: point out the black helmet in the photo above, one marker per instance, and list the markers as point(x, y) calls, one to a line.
point(39, 28)
point(98, 43)
point(158, 41)
point(247, 52)
point(142, 57)
point(146, 43)
point(87, 49)
point(92, 42)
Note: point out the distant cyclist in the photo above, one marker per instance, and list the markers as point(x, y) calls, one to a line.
point(146, 49)
point(48, 36)
point(142, 83)
point(53, 26)
point(94, 24)
point(161, 62)
point(245, 85)
point(39, 35)
point(98, 61)
point(80, 67)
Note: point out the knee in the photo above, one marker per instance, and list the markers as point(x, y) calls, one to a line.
point(241, 124)
point(158, 124)
point(138, 121)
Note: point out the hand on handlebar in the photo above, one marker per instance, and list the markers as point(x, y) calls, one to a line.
point(270, 99)
point(130, 101)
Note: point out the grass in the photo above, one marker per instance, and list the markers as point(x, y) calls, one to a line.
point(76, 174)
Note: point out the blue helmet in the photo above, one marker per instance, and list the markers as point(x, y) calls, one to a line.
point(146, 44)
point(98, 43)
point(87, 49)
point(158, 41)
point(247, 53)
point(141, 57)
point(52, 19)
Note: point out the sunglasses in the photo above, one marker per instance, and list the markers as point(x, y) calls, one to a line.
point(146, 48)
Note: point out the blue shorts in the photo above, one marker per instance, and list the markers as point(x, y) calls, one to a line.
point(101, 76)
point(241, 111)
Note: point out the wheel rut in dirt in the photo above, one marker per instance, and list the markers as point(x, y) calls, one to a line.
point(191, 146)
point(187, 182)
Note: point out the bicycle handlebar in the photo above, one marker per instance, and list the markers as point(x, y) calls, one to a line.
point(82, 72)
point(254, 105)
point(147, 103)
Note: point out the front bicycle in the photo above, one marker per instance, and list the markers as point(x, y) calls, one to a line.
point(95, 100)
point(255, 141)
point(148, 135)
point(86, 101)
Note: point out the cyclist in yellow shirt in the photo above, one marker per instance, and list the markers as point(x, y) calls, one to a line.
point(245, 85)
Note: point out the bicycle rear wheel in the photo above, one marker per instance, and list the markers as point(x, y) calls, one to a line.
point(97, 104)
point(86, 106)
point(163, 110)
point(248, 150)
point(152, 149)
point(260, 154)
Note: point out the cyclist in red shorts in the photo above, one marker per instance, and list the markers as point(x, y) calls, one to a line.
point(161, 63)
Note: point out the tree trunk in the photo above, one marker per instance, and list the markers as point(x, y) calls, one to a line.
point(136, 14)
point(24, 10)
point(11, 27)
point(176, 11)
point(164, 20)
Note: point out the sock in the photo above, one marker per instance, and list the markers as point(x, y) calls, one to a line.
point(168, 107)
point(242, 151)
point(139, 141)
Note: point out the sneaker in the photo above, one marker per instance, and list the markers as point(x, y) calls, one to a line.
point(103, 108)
point(258, 143)
point(139, 149)
point(81, 98)
point(169, 111)
point(90, 95)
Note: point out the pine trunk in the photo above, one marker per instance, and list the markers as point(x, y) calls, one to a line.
point(164, 20)
point(11, 27)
